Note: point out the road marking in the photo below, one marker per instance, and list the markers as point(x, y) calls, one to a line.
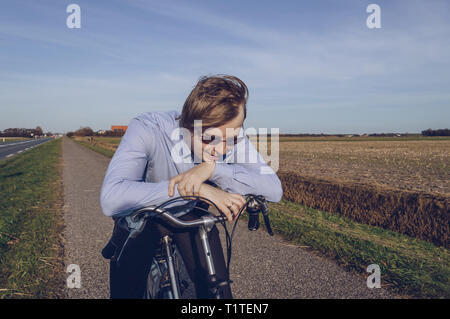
point(36, 143)
point(12, 144)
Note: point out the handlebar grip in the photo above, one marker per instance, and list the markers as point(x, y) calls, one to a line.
point(253, 221)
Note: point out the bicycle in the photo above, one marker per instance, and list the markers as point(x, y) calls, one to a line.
point(167, 277)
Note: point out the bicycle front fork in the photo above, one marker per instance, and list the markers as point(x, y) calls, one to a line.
point(173, 276)
point(171, 266)
point(212, 278)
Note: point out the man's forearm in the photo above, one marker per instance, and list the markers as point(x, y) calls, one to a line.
point(235, 178)
point(123, 196)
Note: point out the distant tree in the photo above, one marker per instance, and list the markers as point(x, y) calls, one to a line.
point(439, 132)
point(70, 134)
point(18, 132)
point(84, 131)
point(109, 133)
point(38, 131)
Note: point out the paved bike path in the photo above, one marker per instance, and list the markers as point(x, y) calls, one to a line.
point(262, 266)
point(87, 229)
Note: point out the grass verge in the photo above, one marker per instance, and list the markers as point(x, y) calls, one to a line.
point(31, 252)
point(96, 148)
point(408, 265)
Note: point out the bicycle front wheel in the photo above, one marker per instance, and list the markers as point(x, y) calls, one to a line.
point(158, 280)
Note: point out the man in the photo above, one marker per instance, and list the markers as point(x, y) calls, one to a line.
point(151, 165)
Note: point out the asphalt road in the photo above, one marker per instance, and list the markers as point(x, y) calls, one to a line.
point(262, 266)
point(8, 149)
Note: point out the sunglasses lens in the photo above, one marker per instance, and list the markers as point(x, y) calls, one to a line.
point(206, 139)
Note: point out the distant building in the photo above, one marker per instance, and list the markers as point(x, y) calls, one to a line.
point(119, 128)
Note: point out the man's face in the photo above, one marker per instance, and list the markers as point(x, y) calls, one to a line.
point(217, 141)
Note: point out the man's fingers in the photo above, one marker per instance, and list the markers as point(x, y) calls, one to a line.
point(189, 189)
point(224, 209)
point(182, 188)
point(173, 181)
point(233, 207)
point(238, 204)
point(239, 199)
point(171, 186)
point(197, 189)
point(235, 210)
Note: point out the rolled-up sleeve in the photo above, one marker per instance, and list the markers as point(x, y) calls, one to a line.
point(124, 188)
point(248, 174)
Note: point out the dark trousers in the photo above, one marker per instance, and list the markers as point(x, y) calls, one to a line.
point(128, 280)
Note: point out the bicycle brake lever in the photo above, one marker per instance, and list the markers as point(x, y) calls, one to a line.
point(267, 222)
point(265, 211)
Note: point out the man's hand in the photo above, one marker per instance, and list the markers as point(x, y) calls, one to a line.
point(190, 181)
point(229, 204)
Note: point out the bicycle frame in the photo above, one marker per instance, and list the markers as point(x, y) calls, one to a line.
point(173, 275)
point(136, 222)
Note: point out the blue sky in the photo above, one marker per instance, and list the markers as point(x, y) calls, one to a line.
point(311, 66)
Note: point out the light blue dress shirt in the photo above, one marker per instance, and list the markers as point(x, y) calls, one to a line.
point(149, 156)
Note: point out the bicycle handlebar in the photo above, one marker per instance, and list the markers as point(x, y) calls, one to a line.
point(176, 222)
point(136, 221)
point(254, 205)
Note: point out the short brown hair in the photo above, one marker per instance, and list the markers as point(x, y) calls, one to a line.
point(215, 100)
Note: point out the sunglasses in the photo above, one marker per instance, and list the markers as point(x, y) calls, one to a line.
point(208, 139)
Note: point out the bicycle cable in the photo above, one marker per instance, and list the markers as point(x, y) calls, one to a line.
point(232, 234)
